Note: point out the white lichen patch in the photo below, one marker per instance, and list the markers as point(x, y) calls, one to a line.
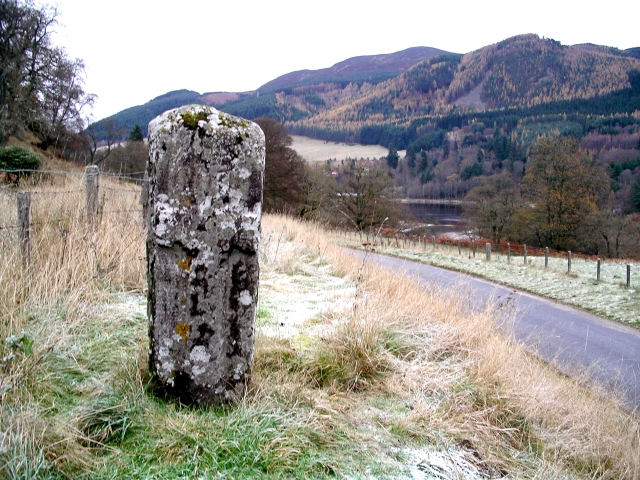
point(166, 214)
point(245, 298)
point(243, 173)
point(199, 355)
point(204, 208)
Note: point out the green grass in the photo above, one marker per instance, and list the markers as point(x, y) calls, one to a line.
point(90, 397)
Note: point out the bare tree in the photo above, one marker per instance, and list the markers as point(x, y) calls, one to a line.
point(361, 193)
point(562, 187)
point(114, 134)
point(490, 206)
point(40, 88)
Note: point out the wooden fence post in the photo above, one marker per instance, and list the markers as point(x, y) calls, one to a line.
point(525, 254)
point(628, 276)
point(92, 175)
point(598, 271)
point(488, 248)
point(24, 226)
point(569, 261)
point(508, 252)
point(473, 248)
point(433, 240)
point(459, 249)
point(546, 257)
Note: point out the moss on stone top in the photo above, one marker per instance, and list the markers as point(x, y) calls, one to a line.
point(190, 119)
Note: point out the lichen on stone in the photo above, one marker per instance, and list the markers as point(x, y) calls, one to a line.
point(205, 175)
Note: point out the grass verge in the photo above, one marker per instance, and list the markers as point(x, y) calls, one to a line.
point(608, 298)
point(358, 374)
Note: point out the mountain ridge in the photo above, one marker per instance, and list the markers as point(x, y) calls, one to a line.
point(520, 71)
point(393, 89)
point(390, 64)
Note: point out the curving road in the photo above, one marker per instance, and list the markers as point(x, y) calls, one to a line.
point(574, 341)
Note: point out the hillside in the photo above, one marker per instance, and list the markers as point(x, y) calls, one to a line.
point(523, 71)
point(414, 85)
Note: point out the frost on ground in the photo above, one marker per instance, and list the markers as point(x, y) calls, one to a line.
point(299, 305)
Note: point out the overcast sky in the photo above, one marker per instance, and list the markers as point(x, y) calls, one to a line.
point(135, 50)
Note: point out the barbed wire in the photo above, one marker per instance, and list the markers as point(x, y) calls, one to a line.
point(121, 211)
point(56, 192)
point(31, 224)
point(128, 176)
point(28, 170)
point(120, 190)
point(121, 176)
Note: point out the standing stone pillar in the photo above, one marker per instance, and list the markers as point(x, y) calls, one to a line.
point(205, 203)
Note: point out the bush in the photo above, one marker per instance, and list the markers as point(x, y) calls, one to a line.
point(19, 161)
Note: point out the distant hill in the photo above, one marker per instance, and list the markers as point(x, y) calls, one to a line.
point(352, 74)
point(403, 91)
point(143, 114)
point(371, 68)
point(633, 52)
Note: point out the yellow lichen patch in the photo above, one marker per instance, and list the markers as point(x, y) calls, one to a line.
point(185, 264)
point(183, 330)
point(187, 200)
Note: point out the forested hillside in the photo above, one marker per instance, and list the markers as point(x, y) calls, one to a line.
point(470, 125)
point(524, 75)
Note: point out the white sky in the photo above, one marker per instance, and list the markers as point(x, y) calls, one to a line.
point(135, 50)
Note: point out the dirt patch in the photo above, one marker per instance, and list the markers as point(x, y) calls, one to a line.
point(472, 99)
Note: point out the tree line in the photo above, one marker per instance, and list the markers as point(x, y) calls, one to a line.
point(562, 202)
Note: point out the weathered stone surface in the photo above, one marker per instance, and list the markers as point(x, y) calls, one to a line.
point(205, 203)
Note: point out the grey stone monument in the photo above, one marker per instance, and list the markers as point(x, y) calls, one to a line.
point(205, 204)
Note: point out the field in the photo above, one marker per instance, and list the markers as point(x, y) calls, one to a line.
point(358, 373)
point(318, 150)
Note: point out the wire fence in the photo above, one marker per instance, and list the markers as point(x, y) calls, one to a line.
point(91, 197)
point(514, 254)
point(55, 199)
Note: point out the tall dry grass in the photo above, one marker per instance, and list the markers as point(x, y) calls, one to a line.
point(68, 258)
point(462, 374)
point(44, 305)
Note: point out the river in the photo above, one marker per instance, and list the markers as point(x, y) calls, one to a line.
point(435, 218)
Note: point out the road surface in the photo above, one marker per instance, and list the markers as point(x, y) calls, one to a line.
point(573, 340)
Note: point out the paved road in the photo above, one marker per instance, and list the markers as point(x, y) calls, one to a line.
point(573, 340)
